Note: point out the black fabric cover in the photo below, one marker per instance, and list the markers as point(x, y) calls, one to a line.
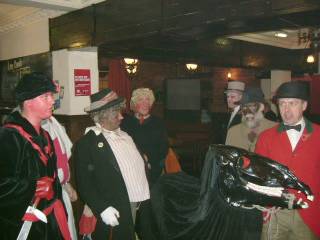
point(187, 208)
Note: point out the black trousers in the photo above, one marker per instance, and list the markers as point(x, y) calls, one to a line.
point(145, 222)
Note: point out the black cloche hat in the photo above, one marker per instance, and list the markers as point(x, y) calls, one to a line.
point(33, 85)
point(252, 94)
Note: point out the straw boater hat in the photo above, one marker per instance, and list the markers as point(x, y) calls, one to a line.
point(103, 99)
point(235, 86)
point(295, 89)
point(33, 85)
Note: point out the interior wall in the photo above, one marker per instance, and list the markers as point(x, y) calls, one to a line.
point(220, 81)
point(154, 74)
point(27, 40)
point(75, 92)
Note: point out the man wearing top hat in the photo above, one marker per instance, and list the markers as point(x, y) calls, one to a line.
point(295, 143)
point(110, 171)
point(28, 167)
point(223, 122)
point(245, 134)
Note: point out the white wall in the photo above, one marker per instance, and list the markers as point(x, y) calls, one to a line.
point(28, 40)
point(266, 88)
point(277, 78)
point(269, 86)
point(63, 64)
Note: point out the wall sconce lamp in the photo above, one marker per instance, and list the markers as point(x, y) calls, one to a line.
point(310, 59)
point(191, 66)
point(131, 65)
point(77, 45)
point(229, 75)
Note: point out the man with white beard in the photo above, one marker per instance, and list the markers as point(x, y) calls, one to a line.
point(245, 134)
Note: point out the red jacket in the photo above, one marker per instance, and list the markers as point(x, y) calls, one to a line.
point(304, 162)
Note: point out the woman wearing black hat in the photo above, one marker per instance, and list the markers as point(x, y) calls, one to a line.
point(111, 176)
point(28, 172)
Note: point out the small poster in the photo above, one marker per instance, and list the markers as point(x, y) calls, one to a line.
point(58, 96)
point(82, 82)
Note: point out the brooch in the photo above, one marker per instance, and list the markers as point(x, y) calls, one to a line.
point(100, 144)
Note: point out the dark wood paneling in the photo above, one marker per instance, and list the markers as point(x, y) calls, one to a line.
point(219, 52)
point(119, 20)
point(178, 20)
point(75, 125)
point(185, 30)
point(75, 29)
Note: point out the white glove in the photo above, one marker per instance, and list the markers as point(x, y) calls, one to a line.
point(110, 216)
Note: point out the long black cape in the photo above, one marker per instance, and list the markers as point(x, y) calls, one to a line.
point(188, 208)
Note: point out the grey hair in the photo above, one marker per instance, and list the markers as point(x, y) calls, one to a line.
point(99, 116)
point(141, 92)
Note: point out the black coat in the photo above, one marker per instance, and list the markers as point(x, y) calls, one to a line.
point(101, 185)
point(20, 168)
point(220, 126)
point(151, 139)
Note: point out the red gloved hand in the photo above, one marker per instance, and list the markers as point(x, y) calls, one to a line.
point(44, 188)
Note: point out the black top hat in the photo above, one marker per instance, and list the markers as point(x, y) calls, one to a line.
point(103, 99)
point(252, 94)
point(33, 85)
point(294, 89)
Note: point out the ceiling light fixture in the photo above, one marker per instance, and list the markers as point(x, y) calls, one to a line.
point(76, 45)
point(192, 66)
point(130, 61)
point(281, 34)
point(131, 65)
point(310, 59)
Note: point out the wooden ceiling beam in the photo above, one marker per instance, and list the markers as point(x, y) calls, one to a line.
point(112, 21)
point(178, 30)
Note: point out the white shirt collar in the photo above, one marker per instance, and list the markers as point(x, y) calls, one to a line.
point(233, 114)
point(139, 116)
point(98, 129)
point(236, 109)
point(294, 136)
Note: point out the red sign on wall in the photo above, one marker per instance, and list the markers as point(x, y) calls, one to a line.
point(82, 82)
